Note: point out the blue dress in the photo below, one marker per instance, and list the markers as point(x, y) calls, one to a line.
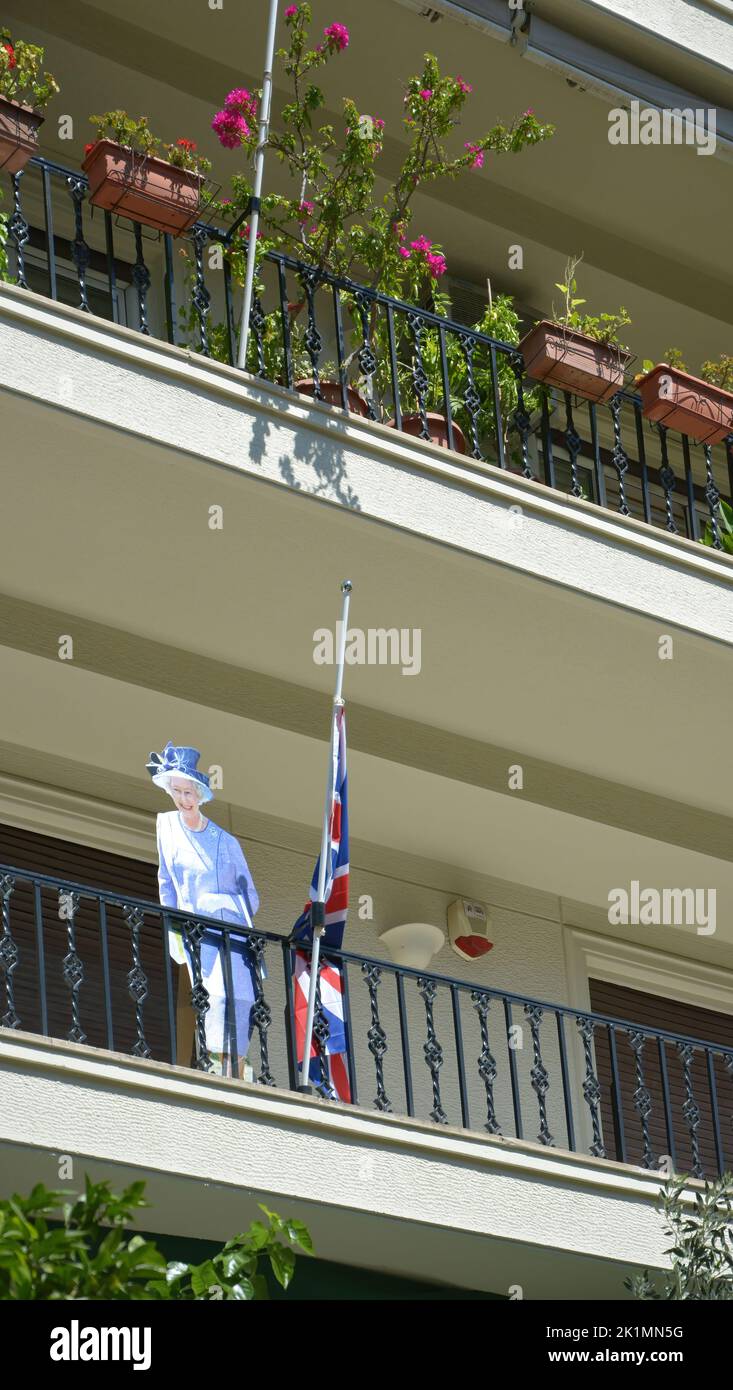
point(205, 872)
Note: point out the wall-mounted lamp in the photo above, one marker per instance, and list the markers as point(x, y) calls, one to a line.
point(413, 944)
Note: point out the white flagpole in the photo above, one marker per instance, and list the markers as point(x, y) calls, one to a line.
point(317, 914)
point(259, 167)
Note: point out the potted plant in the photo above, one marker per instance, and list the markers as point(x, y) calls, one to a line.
point(578, 352)
point(127, 175)
point(331, 219)
point(25, 92)
point(701, 407)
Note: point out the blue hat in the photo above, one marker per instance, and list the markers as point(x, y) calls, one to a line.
point(178, 762)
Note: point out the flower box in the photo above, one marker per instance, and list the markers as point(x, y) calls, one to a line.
point(574, 362)
point(19, 127)
point(142, 187)
point(682, 402)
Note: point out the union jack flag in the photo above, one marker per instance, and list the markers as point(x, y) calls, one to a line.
point(334, 1062)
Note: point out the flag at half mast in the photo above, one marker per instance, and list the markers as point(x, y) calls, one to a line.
point(328, 1067)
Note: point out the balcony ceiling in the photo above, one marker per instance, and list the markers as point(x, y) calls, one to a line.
point(653, 222)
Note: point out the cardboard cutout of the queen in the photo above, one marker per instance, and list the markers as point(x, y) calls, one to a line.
point(202, 870)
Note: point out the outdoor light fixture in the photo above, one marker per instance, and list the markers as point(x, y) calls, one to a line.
point(468, 928)
point(413, 944)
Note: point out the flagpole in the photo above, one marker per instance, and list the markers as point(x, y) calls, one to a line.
point(254, 220)
point(317, 906)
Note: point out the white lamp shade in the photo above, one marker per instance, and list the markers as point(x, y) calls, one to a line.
point(413, 944)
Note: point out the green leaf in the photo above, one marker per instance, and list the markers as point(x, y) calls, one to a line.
point(282, 1260)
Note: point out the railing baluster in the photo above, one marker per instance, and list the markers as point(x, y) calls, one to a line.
point(257, 325)
point(229, 1028)
point(618, 456)
point(516, 1103)
point(18, 231)
point(667, 479)
point(80, 251)
point(229, 314)
point(193, 932)
point(641, 449)
point(313, 341)
point(393, 368)
point(598, 472)
point(200, 298)
point(72, 966)
point(642, 1095)
point(713, 498)
point(573, 443)
point(445, 381)
point(169, 993)
point(50, 238)
point(693, 524)
point(520, 417)
point(591, 1087)
point(376, 1036)
point(111, 269)
point(141, 279)
point(365, 356)
point(321, 1034)
point(463, 1090)
point(729, 459)
point(419, 378)
point(40, 955)
point(487, 1068)
point(547, 454)
point(539, 1075)
point(471, 397)
point(714, 1112)
point(405, 1040)
point(9, 954)
point(666, 1101)
point(432, 1049)
point(106, 982)
point(340, 347)
point(565, 1074)
point(282, 287)
point(288, 958)
point(261, 1011)
point(690, 1109)
point(616, 1100)
point(171, 311)
point(496, 396)
point(137, 981)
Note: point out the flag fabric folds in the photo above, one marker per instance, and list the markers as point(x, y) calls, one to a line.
point(334, 1061)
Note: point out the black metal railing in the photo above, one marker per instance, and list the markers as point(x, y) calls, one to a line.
point(370, 354)
point(94, 967)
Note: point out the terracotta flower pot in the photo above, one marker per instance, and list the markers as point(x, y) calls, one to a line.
point(19, 127)
point(573, 362)
point(437, 428)
point(142, 187)
point(685, 403)
point(331, 395)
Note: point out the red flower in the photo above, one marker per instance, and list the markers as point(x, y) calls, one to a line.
point(186, 144)
point(12, 60)
point(88, 148)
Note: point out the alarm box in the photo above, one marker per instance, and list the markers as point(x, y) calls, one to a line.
point(468, 929)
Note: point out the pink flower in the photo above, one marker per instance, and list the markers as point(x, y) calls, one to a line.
point(529, 111)
point(378, 123)
point(422, 244)
point(305, 209)
point(437, 264)
point(336, 36)
point(404, 253)
point(290, 11)
point(464, 86)
point(230, 128)
point(478, 155)
point(242, 102)
point(426, 93)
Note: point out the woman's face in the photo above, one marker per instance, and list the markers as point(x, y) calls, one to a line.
point(184, 793)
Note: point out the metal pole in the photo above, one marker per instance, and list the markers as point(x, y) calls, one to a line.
point(259, 168)
point(317, 913)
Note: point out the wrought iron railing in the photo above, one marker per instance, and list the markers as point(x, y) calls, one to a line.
point(348, 345)
point(93, 967)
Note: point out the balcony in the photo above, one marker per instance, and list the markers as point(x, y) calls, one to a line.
point(91, 967)
point(373, 357)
